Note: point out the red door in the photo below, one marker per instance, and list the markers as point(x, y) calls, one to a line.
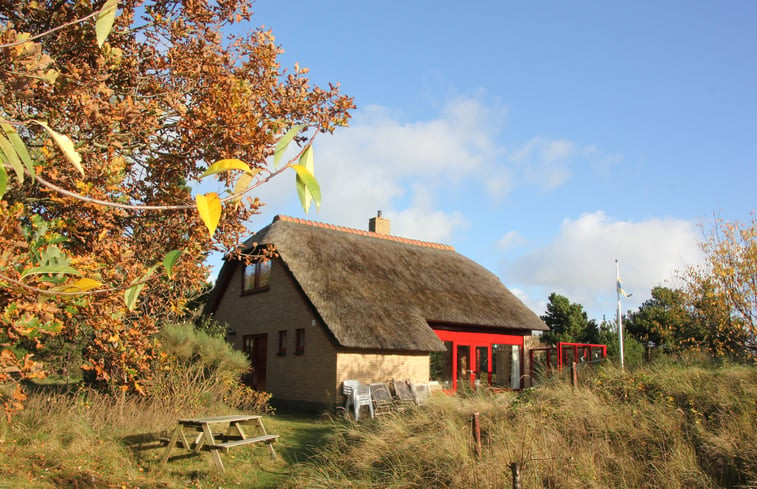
point(256, 348)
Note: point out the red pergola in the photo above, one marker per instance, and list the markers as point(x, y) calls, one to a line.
point(566, 353)
point(479, 347)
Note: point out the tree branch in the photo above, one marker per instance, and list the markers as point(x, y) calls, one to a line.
point(50, 31)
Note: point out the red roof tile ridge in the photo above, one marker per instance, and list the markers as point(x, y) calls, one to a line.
point(360, 232)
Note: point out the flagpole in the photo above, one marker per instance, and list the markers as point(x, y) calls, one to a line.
point(620, 317)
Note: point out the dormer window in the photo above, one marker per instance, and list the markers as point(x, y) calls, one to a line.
point(256, 277)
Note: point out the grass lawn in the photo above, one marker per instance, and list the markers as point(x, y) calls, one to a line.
point(60, 448)
point(247, 466)
point(666, 426)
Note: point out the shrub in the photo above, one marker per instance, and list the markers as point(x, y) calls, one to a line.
point(211, 326)
point(199, 372)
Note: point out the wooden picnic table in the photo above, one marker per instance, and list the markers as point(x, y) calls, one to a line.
point(202, 430)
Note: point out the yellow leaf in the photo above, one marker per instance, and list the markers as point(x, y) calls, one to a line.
point(105, 19)
point(209, 207)
point(243, 182)
point(226, 165)
point(85, 284)
point(66, 145)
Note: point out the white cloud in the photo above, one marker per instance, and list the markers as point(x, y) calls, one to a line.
point(544, 162)
point(537, 305)
point(427, 224)
point(549, 163)
point(420, 173)
point(580, 261)
point(558, 150)
point(512, 239)
point(500, 183)
point(402, 168)
point(543, 150)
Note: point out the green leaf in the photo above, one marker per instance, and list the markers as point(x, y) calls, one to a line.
point(3, 180)
point(6, 148)
point(51, 269)
point(52, 255)
point(170, 260)
point(105, 21)
point(19, 146)
point(228, 164)
point(283, 143)
point(132, 293)
point(307, 186)
point(66, 145)
point(209, 207)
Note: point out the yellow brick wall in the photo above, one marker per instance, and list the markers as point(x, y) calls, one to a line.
point(380, 367)
point(310, 376)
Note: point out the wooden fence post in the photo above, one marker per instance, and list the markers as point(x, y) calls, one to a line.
point(573, 375)
point(515, 468)
point(476, 428)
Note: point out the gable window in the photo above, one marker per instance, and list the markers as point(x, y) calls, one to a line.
point(282, 342)
point(256, 277)
point(300, 342)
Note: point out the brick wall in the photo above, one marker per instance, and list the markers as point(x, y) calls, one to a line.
point(381, 367)
point(310, 376)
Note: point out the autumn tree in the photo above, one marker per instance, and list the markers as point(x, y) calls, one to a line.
point(723, 292)
point(101, 144)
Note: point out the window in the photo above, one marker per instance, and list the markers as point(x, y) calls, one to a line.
point(441, 366)
point(256, 277)
point(300, 344)
point(282, 342)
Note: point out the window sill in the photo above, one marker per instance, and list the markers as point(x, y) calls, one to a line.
point(255, 291)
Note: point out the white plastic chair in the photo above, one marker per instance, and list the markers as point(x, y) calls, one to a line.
point(421, 392)
point(358, 395)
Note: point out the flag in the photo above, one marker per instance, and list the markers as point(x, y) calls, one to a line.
point(620, 287)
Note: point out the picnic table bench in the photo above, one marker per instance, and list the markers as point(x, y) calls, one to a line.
point(202, 429)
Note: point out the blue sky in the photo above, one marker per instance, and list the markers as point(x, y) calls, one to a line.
point(540, 139)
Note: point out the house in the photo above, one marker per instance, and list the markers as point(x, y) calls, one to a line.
point(337, 303)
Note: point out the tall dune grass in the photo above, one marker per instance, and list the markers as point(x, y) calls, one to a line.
point(661, 427)
point(75, 436)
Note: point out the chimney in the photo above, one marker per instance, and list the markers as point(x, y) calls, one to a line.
point(378, 224)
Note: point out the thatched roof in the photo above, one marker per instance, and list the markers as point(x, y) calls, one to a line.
point(378, 291)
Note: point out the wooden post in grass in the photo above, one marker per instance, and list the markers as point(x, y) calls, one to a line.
point(515, 468)
point(573, 375)
point(476, 427)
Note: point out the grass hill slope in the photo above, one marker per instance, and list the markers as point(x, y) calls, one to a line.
point(669, 426)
